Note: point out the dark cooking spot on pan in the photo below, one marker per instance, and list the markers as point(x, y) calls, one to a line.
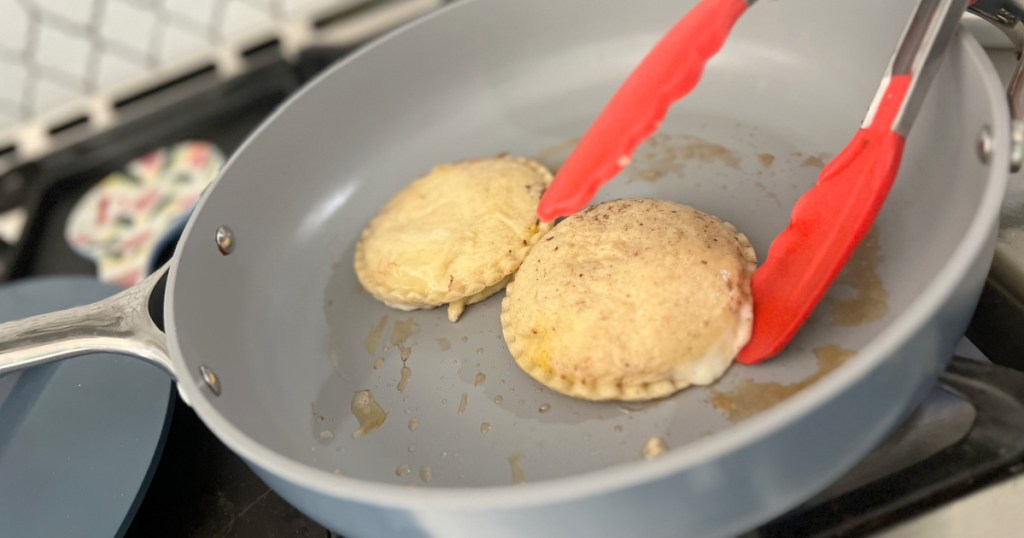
point(813, 161)
point(518, 476)
point(665, 155)
point(368, 413)
point(870, 300)
point(401, 331)
point(751, 397)
point(374, 336)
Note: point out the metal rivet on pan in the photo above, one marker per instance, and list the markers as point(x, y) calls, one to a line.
point(211, 379)
point(985, 144)
point(225, 240)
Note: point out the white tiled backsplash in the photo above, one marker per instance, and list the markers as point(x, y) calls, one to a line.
point(57, 55)
point(52, 51)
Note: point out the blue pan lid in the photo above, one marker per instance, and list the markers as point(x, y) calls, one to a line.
point(79, 439)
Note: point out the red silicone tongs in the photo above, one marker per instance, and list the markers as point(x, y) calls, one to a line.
point(830, 220)
point(669, 71)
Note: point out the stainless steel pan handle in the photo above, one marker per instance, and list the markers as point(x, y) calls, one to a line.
point(119, 324)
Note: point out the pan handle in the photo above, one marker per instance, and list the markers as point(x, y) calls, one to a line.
point(120, 324)
point(1008, 17)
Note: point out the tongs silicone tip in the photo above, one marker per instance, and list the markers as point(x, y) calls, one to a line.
point(826, 225)
point(666, 74)
point(830, 220)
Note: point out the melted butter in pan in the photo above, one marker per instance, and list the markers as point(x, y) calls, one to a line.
point(751, 397)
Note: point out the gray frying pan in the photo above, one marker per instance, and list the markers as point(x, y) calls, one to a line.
point(270, 336)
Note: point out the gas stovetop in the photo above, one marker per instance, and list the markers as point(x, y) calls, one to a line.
point(956, 461)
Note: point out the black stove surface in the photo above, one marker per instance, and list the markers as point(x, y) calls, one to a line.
point(970, 432)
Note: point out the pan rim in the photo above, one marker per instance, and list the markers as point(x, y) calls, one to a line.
point(628, 474)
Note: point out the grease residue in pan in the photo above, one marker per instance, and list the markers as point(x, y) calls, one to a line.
point(473, 416)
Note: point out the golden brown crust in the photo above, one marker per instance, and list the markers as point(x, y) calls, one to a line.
point(631, 300)
point(454, 233)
